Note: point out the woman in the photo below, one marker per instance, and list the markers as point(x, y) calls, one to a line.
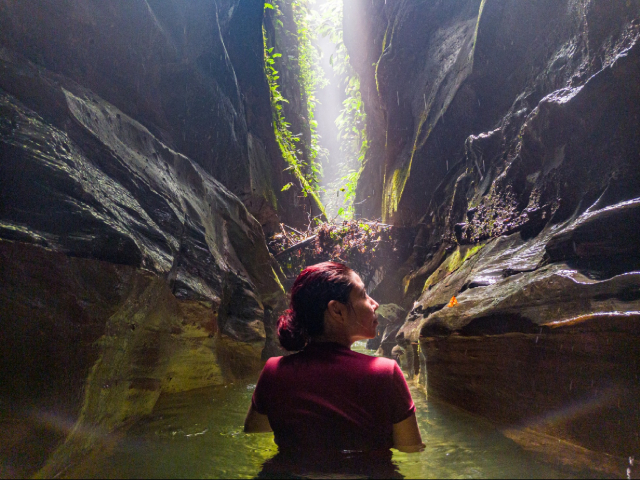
point(327, 398)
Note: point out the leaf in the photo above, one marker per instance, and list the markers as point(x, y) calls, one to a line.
point(268, 5)
point(287, 186)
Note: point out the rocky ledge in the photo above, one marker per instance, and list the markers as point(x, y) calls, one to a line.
point(127, 270)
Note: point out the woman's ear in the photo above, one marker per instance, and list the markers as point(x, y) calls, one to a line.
point(335, 310)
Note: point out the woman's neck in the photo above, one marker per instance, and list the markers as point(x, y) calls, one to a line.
point(333, 337)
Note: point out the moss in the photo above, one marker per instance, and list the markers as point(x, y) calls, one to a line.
point(272, 298)
point(452, 263)
point(393, 190)
point(384, 40)
point(304, 168)
point(291, 159)
point(475, 33)
point(387, 36)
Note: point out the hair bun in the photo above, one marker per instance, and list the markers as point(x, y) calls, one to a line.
point(290, 332)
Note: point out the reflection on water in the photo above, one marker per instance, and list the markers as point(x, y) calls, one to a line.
point(199, 435)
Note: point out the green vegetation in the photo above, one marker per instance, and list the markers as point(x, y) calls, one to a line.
point(364, 246)
point(300, 157)
point(352, 119)
point(452, 263)
point(311, 74)
point(303, 155)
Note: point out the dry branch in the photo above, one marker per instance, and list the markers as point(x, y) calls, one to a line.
point(297, 246)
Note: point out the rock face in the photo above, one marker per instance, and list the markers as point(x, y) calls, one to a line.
point(129, 264)
point(511, 140)
point(390, 319)
point(192, 72)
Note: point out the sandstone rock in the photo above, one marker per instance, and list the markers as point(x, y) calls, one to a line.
point(190, 71)
point(512, 142)
point(127, 269)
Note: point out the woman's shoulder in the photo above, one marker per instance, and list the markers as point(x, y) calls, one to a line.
point(272, 363)
point(378, 364)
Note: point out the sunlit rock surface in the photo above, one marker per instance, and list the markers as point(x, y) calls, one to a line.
point(127, 269)
point(508, 132)
point(190, 71)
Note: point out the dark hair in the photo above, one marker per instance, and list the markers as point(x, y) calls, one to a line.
point(312, 291)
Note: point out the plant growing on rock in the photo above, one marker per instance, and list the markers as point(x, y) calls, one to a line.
point(363, 245)
point(300, 155)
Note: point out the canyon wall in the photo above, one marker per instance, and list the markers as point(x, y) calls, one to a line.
point(190, 72)
point(138, 168)
point(507, 133)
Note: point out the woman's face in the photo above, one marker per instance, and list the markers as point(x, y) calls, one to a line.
point(362, 318)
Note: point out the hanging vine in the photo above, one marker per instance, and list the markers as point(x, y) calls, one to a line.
point(301, 157)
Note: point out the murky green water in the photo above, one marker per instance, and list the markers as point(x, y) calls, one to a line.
point(199, 435)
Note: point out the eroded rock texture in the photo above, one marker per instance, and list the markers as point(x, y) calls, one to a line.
point(129, 264)
point(508, 132)
point(189, 71)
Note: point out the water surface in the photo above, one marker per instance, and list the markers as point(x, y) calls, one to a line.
point(199, 435)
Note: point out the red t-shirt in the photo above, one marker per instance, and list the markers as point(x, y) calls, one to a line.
point(330, 398)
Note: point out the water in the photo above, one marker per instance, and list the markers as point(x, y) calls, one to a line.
point(199, 435)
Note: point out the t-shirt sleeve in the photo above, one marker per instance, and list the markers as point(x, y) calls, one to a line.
point(402, 406)
point(261, 393)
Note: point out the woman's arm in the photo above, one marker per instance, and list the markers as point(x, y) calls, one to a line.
point(256, 422)
point(406, 436)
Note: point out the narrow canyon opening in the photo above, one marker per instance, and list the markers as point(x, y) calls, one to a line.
point(168, 167)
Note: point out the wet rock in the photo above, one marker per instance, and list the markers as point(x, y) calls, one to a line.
point(609, 232)
point(537, 324)
point(390, 319)
point(398, 353)
point(244, 40)
point(128, 270)
point(550, 295)
point(539, 388)
point(190, 71)
point(511, 141)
